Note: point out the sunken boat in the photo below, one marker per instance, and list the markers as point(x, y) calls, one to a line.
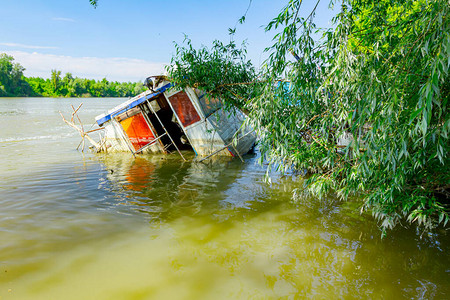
point(166, 118)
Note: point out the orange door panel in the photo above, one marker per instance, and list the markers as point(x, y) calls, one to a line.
point(138, 131)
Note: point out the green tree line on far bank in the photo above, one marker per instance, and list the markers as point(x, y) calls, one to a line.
point(14, 84)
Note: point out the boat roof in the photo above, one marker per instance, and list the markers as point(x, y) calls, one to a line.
point(129, 104)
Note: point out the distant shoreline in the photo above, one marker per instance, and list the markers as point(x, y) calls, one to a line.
point(14, 84)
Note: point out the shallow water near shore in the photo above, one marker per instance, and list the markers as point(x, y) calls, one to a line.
point(79, 225)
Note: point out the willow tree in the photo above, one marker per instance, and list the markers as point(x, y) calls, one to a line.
point(379, 80)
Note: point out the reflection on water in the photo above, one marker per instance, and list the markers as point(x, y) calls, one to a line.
point(165, 187)
point(112, 226)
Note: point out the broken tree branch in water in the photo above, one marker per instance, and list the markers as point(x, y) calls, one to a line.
point(80, 129)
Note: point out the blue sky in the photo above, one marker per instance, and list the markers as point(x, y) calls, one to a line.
point(128, 40)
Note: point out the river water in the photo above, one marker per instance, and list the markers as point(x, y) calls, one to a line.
point(79, 225)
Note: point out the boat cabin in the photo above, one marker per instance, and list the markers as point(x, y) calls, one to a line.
point(166, 119)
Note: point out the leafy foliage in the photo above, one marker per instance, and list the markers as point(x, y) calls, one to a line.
point(364, 109)
point(94, 3)
point(223, 71)
point(12, 81)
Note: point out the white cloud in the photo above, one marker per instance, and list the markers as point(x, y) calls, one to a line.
point(63, 19)
point(26, 46)
point(114, 68)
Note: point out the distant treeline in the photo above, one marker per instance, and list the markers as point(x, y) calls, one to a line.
point(14, 84)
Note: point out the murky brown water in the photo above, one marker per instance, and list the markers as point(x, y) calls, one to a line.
point(85, 226)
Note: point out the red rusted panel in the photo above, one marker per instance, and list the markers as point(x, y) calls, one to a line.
point(138, 131)
point(184, 108)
